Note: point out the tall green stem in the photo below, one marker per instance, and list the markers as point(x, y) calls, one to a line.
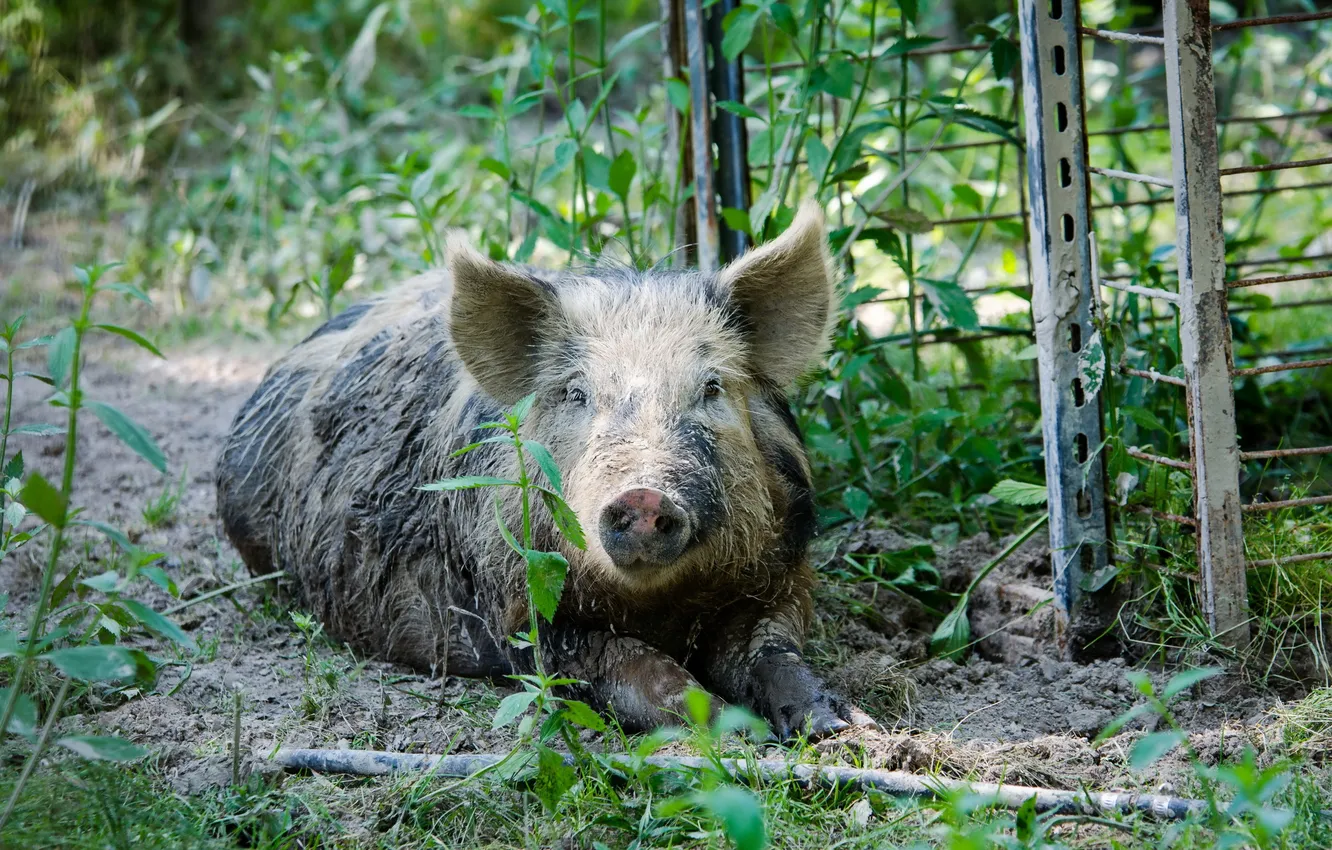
point(58, 537)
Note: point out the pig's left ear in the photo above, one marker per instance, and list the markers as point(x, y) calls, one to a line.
point(784, 289)
point(496, 318)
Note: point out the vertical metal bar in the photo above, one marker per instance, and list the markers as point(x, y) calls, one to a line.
point(700, 111)
point(728, 83)
point(1204, 326)
point(674, 157)
point(1062, 293)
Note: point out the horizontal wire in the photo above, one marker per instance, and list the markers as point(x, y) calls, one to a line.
point(1130, 175)
point(1287, 503)
point(1290, 559)
point(1276, 166)
point(1274, 453)
point(1279, 278)
point(1164, 461)
point(1115, 35)
point(1282, 367)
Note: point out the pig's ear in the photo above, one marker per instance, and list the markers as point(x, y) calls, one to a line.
point(495, 318)
point(784, 290)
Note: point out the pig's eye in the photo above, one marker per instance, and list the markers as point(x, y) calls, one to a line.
point(712, 388)
point(575, 395)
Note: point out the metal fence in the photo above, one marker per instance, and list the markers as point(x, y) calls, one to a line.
point(1069, 288)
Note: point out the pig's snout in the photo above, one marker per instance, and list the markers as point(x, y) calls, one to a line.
point(643, 527)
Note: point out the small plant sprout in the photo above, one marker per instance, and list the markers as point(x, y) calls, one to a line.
point(551, 715)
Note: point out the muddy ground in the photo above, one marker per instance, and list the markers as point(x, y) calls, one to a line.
point(1018, 714)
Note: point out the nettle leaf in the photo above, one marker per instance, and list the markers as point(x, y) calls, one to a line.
point(111, 533)
point(130, 432)
point(739, 25)
point(468, 482)
point(1181, 682)
point(159, 577)
point(950, 640)
point(546, 572)
point(97, 663)
point(565, 519)
point(622, 170)
point(554, 778)
point(547, 464)
point(582, 714)
point(102, 749)
point(40, 498)
point(1149, 749)
point(23, 721)
point(13, 469)
point(817, 154)
point(107, 582)
point(1020, 493)
point(159, 624)
point(735, 107)
point(740, 814)
point(1004, 56)
point(857, 501)
point(677, 92)
point(953, 304)
point(906, 220)
point(836, 77)
point(628, 39)
point(133, 337)
point(511, 708)
point(1091, 365)
point(60, 356)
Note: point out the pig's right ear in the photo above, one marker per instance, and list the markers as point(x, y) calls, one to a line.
point(495, 318)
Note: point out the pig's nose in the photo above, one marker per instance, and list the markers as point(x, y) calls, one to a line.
point(643, 527)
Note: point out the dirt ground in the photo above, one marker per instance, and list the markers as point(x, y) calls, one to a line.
point(1019, 714)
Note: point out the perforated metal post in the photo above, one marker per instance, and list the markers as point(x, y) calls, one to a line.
point(700, 126)
point(1062, 292)
point(1204, 323)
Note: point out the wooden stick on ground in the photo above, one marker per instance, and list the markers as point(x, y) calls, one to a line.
point(894, 783)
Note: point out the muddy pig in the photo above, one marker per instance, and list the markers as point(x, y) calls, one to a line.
point(660, 395)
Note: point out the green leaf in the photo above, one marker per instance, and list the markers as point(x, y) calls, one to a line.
point(950, 640)
point(784, 18)
point(468, 482)
point(836, 77)
point(1181, 682)
point(159, 577)
point(546, 572)
point(107, 582)
point(474, 110)
point(565, 519)
point(906, 220)
point(739, 25)
point(910, 9)
point(582, 714)
point(740, 814)
point(23, 721)
point(857, 501)
point(735, 107)
point(511, 708)
point(1004, 56)
point(968, 196)
point(737, 220)
point(102, 749)
point(38, 430)
point(622, 172)
point(521, 408)
point(39, 497)
point(1012, 492)
point(906, 45)
point(565, 152)
point(97, 663)
point(129, 290)
point(1144, 418)
point(1026, 821)
point(13, 469)
point(677, 92)
point(629, 38)
point(133, 337)
point(60, 356)
point(554, 777)
point(953, 304)
point(816, 152)
point(547, 464)
point(159, 624)
point(111, 533)
point(1149, 749)
point(130, 432)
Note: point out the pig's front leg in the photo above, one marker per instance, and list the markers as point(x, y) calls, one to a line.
point(754, 659)
point(643, 686)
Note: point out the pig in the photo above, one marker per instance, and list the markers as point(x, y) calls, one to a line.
point(660, 394)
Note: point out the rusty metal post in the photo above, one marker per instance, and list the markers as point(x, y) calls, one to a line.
point(1204, 323)
point(1062, 293)
point(700, 126)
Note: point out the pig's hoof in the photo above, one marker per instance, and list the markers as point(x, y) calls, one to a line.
point(797, 703)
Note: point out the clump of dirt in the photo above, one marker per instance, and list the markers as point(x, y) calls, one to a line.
point(1011, 712)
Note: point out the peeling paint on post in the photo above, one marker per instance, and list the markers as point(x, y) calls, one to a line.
point(1204, 322)
point(1062, 292)
point(700, 120)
